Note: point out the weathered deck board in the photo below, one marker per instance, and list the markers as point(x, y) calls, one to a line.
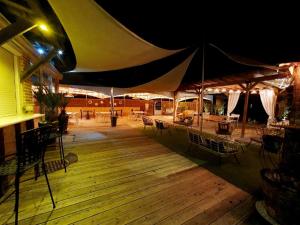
point(126, 178)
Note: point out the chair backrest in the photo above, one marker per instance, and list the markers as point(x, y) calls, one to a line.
point(272, 143)
point(224, 126)
point(159, 124)
point(146, 120)
point(32, 145)
point(63, 123)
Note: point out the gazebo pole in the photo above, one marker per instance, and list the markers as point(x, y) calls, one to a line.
point(246, 88)
point(123, 106)
point(174, 105)
point(112, 100)
point(245, 112)
point(202, 85)
point(198, 106)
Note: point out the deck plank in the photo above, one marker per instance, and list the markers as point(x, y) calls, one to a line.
point(126, 178)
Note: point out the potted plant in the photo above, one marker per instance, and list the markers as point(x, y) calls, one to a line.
point(64, 101)
point(48, 101)
point(281, 184)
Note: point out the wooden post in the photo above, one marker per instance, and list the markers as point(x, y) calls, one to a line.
point(245, 113)
point(3, 179)
point(174, 105)
point(246, 88)
point(296, 96)
point(112, 100)
point(202, 82)
point(199, 107)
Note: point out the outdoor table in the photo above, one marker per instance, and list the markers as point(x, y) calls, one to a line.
point(87, 113)
point(104, 115)
point(138, 114)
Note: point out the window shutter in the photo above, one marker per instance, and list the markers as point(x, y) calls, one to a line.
point(7, 84)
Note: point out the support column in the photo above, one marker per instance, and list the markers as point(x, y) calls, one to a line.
point(174, 105)
point(245, 112)
point(296, 96)
point(199, 108)
point(3, 179)
point(112, 101)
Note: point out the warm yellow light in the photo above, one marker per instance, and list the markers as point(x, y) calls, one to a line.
point(223, 90)
point(43, 27)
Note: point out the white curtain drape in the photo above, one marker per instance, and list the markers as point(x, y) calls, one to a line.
point(232, 101)
point(268, 99)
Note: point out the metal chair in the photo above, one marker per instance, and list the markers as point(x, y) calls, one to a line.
point(147, 122)
point(224, 128)
point(55, 133)
point(30, 152)
point(160, 126)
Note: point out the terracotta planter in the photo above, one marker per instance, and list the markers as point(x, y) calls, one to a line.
point(282, 200)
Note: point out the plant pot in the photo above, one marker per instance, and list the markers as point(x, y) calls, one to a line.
point(282, 199)
point(113, 120)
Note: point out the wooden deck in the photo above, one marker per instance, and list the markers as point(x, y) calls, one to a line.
point(123, 177)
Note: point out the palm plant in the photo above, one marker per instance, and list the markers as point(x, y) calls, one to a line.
point(49, 102)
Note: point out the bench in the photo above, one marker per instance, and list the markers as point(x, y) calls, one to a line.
point(214, 144)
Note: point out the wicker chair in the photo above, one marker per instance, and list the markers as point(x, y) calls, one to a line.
point(30, 152)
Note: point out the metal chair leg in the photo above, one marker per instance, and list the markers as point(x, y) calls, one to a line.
point(49, 188)
point(17, 185)
point(63, 154)
point(36, 171)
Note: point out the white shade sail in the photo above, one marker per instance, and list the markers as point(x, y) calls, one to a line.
point(168, 82)
point(101, 43)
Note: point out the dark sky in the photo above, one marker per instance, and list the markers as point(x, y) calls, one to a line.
point(263, 31)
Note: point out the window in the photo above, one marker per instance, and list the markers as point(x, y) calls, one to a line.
point(8, 101)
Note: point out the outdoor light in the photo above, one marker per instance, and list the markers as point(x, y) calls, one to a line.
point(209, 89)
point(223, 90)
point(217, 90)
point(40, 51)
point(43, 27)
point(60, 52)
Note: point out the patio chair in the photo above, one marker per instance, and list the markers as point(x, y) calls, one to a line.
point(30, 152)
point(224, 128)
point(147, 122)
point(234, 118)
point(160, 126)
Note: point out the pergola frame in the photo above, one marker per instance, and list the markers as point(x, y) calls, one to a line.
point(245, 81)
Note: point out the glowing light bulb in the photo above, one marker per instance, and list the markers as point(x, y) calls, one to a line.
point(40, 51)
point(43, 27)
